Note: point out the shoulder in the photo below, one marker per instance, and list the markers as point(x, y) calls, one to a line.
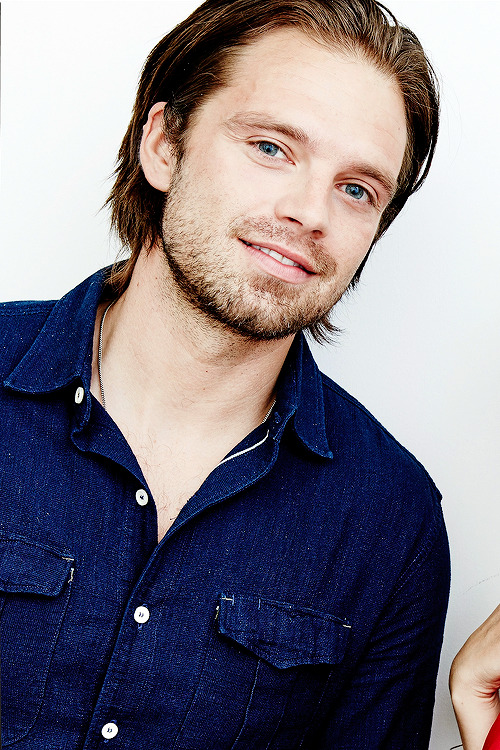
point(360, 439)
point(388, 491)
point(24, 311)
point(20, 324)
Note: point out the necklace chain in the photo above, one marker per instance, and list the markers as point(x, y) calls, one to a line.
point(99, 355)
point(269, 411)
point(99, 364)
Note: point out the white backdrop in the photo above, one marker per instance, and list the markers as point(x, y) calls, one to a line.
point(420, 347)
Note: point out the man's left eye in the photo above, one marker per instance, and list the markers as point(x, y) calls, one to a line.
point(356, 191)
point(268, 148)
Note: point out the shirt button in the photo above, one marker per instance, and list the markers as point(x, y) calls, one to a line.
point(79, 394)
point(109, 730)
point(142, 497)
point(141, 614)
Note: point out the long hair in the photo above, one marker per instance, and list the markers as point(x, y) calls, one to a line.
point(196, 58)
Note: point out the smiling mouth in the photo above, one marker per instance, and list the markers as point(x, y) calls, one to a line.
point(277, 256)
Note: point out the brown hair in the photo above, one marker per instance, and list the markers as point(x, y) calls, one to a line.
point(194, 59)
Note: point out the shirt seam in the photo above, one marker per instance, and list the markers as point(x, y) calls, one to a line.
point(33, 309)
point(423, 553)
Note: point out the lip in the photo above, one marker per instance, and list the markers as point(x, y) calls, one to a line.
point(285, 252)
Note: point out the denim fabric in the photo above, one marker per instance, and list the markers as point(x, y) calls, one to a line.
point(296, 602)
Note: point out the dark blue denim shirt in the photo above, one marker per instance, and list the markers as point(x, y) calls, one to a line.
point(296, 602)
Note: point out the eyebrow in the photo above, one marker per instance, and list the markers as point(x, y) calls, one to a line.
point(389, 184)
point(262, 121)
point(257, 120)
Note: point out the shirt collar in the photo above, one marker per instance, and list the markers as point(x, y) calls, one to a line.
point(62, 354)
point(300, 391)
point(62, 351)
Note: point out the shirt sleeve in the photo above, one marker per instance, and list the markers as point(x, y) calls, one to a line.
point(390, 699)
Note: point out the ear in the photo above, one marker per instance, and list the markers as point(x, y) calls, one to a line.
point(156, 153)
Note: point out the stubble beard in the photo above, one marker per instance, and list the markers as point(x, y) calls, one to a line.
point(258, 307)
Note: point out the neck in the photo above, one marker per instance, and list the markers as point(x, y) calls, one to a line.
point(166, 366)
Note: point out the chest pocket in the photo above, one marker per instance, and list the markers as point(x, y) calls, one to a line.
point(283, 634)
point(35, 586)
point(266, 670)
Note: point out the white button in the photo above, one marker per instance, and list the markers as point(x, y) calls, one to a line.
point(79, 394)
point(142, 497)
point(109, 730)
point(141, 614)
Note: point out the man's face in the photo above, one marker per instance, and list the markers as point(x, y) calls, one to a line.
point(284, 178)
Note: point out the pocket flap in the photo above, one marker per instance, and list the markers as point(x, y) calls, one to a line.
point(283, 634)
point(31, 568)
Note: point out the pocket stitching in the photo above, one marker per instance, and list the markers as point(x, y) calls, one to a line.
point(296, 655)
point(47, 670)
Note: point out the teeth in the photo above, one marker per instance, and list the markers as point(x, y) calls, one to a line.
point(276, 256)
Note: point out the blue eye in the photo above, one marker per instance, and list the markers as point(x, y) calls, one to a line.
point(267, 148)
point(355, 191)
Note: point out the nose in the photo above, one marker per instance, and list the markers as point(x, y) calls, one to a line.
point(306, 203)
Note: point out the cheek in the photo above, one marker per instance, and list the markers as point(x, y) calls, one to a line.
point(353, 240)
point(249, 184)
point(227, 186)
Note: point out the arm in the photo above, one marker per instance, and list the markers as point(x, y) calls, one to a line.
point(474, 683)
point(391, 697)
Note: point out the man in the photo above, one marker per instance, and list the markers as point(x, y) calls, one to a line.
point(206, 543)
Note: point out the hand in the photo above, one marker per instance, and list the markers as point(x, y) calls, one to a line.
point(474, 683)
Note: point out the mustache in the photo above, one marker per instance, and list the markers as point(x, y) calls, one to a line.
point(265, 229)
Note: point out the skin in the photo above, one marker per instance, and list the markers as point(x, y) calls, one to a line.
point(299, 153)
point(475, 681)
point(302, 159)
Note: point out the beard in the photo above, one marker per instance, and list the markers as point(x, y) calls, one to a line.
point(207, 270)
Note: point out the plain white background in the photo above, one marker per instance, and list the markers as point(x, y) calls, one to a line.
point(420, 343)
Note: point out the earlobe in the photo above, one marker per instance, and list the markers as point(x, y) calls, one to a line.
point(156, 154)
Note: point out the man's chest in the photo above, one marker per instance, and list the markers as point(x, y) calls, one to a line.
point(187, 646)
point(176, 465)
point(173, 476)
point(220, 637)
point(172, 479)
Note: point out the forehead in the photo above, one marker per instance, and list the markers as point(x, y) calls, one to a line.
point(331, 94)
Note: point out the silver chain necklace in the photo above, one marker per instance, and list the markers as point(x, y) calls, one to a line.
point(99, 364)
point(99, 354)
